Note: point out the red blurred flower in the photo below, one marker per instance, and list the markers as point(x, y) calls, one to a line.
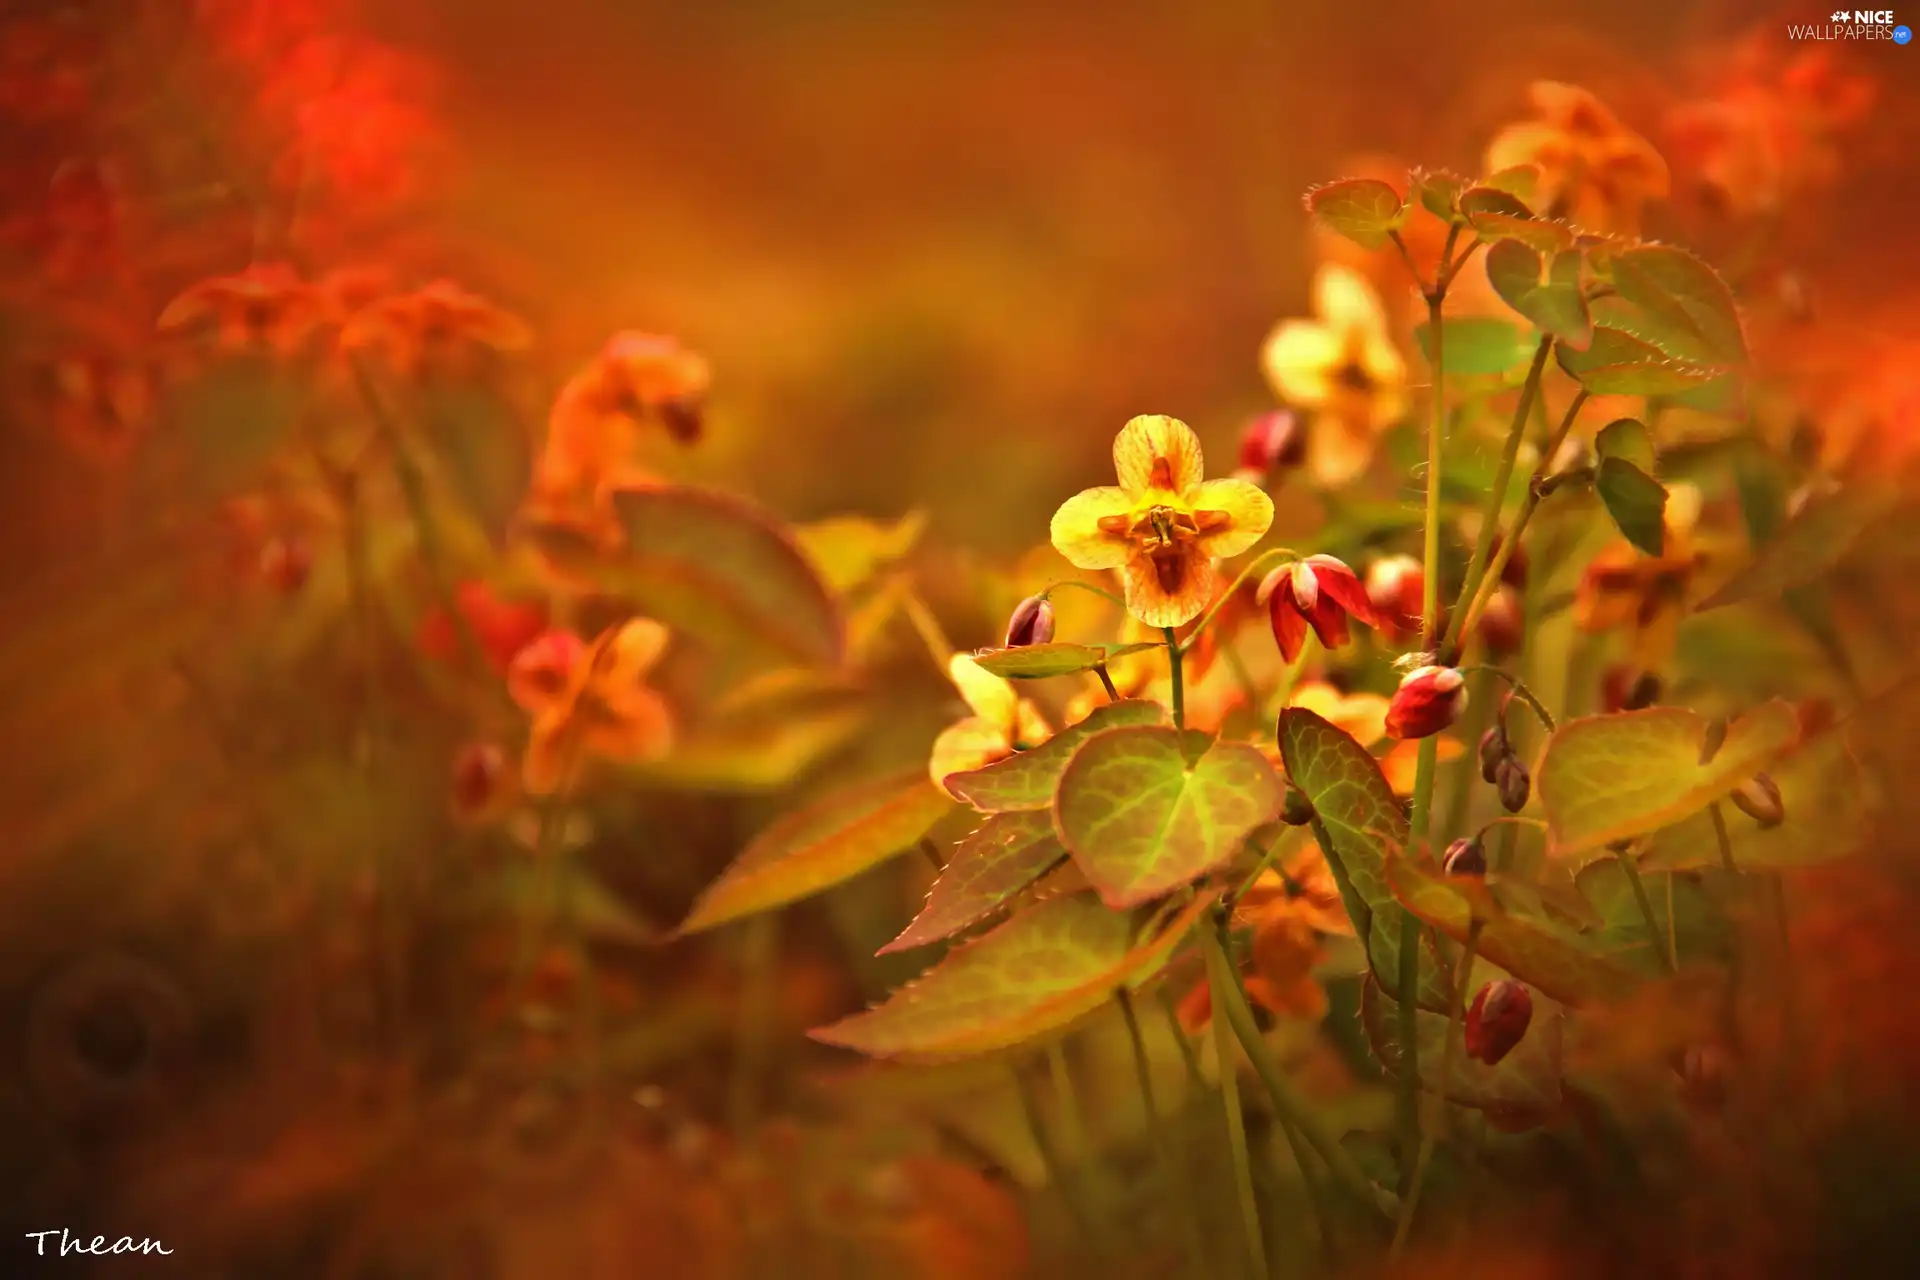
point(1319, 592)
point(1498, 1020)
point(265, 306)
point(502, 627)
point(1427, 701)
point(1396, 585)
point(439, 327)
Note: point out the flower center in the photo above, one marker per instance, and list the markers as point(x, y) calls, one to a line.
point(1353, 376)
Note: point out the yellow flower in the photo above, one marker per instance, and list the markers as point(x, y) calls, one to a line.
point(1594, 171)
point(1002, 723)
point(1645, 596)
point(1344, 368)
point(602, 706)
point(1163, 525)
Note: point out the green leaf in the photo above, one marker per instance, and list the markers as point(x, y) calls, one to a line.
point(1636, 501)
point(601, 915)
point(1531, 951)
point(1144, 809)
point(1700, 928)
point(1027, 779)
point(1608, 778)
point(848, 551)
point(1524, 1084)
point(1517, 180)
point(1364, 210)
point(1616, 363)
point(230, 423)
point(712, 565)
point(1477, 344)
point(1688, 308)
point(764, 734)
point(1555, 305)
point(829, 841)
point(1811, 542)
point(986, 871)
point(1440, 193)
point(1498, 215)
point(1829, 814)
point(481, 448)
point(1040, 661)
point(1030, 978)
point(1628, 440)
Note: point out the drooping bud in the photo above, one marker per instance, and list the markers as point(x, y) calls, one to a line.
point(479, 777)
point(1319, 592)
point(1503, 623)
point(1272, 442)
point(1031, 622)
point(1515, 784)
point(1427, 701)
point(1759, 798)
point(285, 564)
point(1297, 810)
point(1497, 1020)
point(1466, 856)
point(1493, 749)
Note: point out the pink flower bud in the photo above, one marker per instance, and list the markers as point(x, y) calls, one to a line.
point(1466, 856)
point(1503, 623)
point(1759, 798)
point(479, 777)
point(1395, 586)
point(1427, 701)
point(1515, 784)
point(1031, 622)
point(1497, 1020)
point(1493, 750)
point(1271, 442)
point(1319, 592)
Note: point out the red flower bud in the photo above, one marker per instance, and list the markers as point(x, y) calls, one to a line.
point(479, 776)
point(1497, 1020)
point(285, 564)
point(1395, 586)
point(1271, 442)
point(1493, 750)
point(501, 627)
point(1319, 592)
point(1759, 798)
point(1465, 857)
point(1515, 784)
point(1427, 701)
point(539, 672)
point(1503, 623)
point(1031, 623)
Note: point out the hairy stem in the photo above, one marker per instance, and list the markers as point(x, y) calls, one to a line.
point(1536, 490)
point(1221, 978)
point(1106, 682)
point(1496, 499)
point(1520, 691)
point(1170, 1163)
point(1655, 935)
point(1050, 1156)
point(1177, 678)
point(1455, 1013)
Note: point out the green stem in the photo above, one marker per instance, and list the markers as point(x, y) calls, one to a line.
point(1194, 1079)
point(1170, 1163)
point(1721, 838)
point(1407, 982)
point(1220, 977)
point(1074, 1133)
point(1654, 933)
point(1228, 998)
point(1455, 1012)
point(759, 950)
point(1259, 869)
point(1290, 674)
point(1177, 677)
point(1050, 1157)
point(1106, 682)
point(1537, 489)
point(1490, 524)
point(1266, 561)
point(1520, 691)
point(1102, 592)
point(1436, 439)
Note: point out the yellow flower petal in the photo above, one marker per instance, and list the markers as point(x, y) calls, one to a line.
point(1077, 534)
point(1362, 715)
point(966, 745)
point(545, 764)
point(1155, 452)
point(641, 729)
point(1172, 589)
point(1300, 358)
point(1350, 308)
point(635, 649)
point(990, 698)
point(1339, 447)
point(1248, 509)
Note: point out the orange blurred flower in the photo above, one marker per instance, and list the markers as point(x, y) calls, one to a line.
point(502, 628)
point(1002, 723)
point(1163, 525)
point(1645, 596)
point(1342, 367)
point(1288, 914)
point(603, 707)
point(1593, 170)
point(266, 306)
point(593, 431)
point(439, 327)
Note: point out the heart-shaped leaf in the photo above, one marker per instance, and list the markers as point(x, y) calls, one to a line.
point(1530, 950)
point(1028, 779)
point(1811, 541)
point(1698, 928)
point(1364, 210)
point(1029, 978)
point(1440, 193)
point(1608, 778)
point(1616, 363)
point(1688, 309)
point(1477, 345)
point(820, 845)
point(1554, 304)
point(1829, 814)
point(1515, 180)
point(986, 871)
point(1524, 1083)
point(712, 565)
point(1040, 661)
point(1145, 809)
